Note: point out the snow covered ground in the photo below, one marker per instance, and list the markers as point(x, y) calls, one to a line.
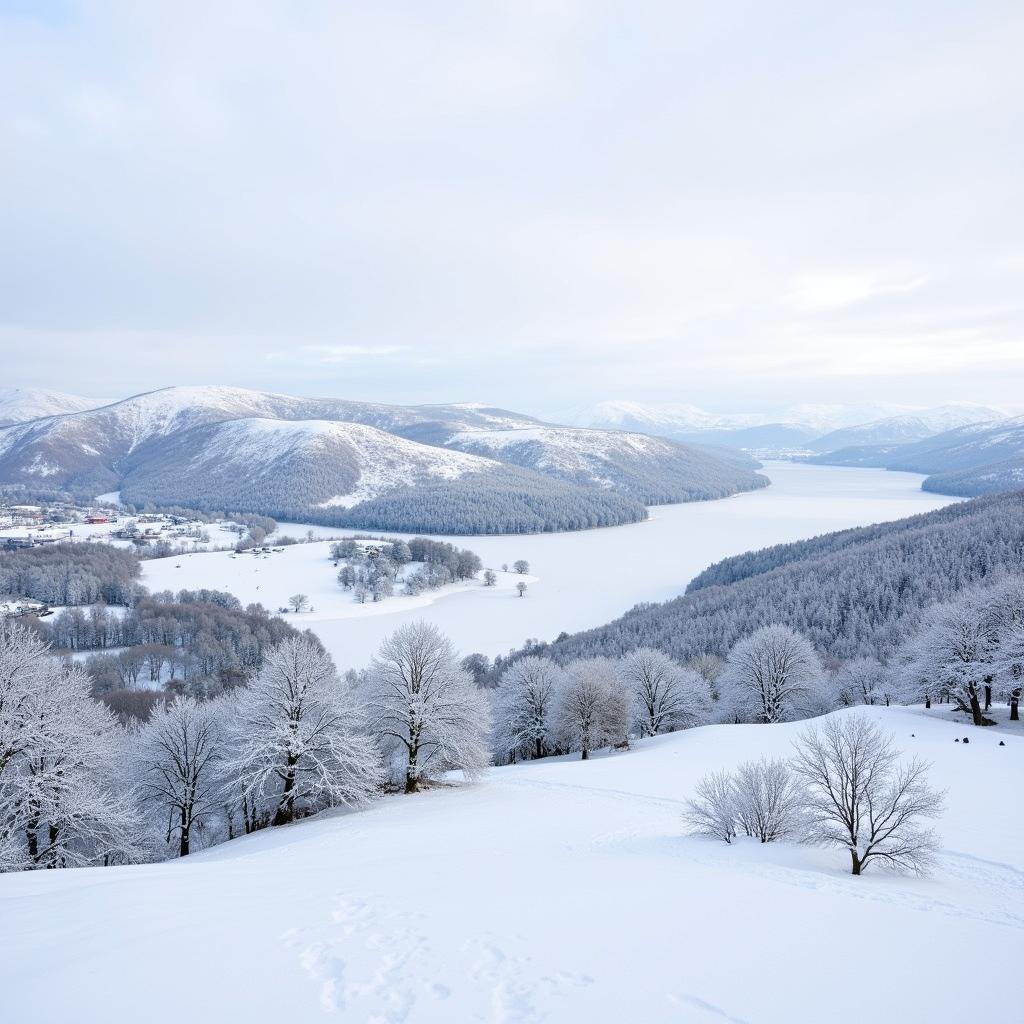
point(307, 569)
point(583, 579)
point(559, 891)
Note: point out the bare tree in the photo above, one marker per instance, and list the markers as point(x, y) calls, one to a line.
point(769, 800)
point(665, 695)
point(177, 753)
point(953, 652)
point(521, 566)
point(770, 676)
point(297, 737)
point(861, 798)
point(525, 704)
point(490, 577)
point(592, 710)
point(424, 707)
point(298, 602)
point(712, 809)
point(521, 587)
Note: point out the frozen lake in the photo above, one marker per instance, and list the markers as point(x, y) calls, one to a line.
point(579, 579)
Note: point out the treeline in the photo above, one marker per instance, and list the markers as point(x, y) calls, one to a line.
point(72, 574)
point(295, 739)
point(197, 642)
point(855, 593)
point(507, 500)
point(514, 501)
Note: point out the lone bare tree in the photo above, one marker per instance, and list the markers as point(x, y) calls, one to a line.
point(490, 577)
point(521, 587)
point(521, 566)
point(298, 602)
point(861, 798)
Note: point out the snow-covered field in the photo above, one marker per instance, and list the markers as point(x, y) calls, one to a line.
point(559, 891)
point(271, 579)
point(583, 579)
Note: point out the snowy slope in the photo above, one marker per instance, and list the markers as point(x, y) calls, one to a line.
point(905, 428)
point(89, 449)
point(18, 405)
point(558, 891)
point(980, 458)
point(284, 464)
point(651, 469)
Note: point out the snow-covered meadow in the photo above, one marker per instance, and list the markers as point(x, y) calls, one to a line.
point(582, 579)
point(558, 890)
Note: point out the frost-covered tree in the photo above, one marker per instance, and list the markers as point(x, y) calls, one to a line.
point(490, 577)
point(424, 708)
point(297, 741)
point(64, 801)
point(665, 695)
point(525, 705)
point(298, 602)
point(593, 707)
point(711, 811)
point(521, 566)
point(862, 681)
point(953, 652)
point(770, 676)
point(521, 587)
point(858, 796)
point(177, 752)
point(768, 800)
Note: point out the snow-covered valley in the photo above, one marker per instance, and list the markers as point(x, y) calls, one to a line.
point(582, 579)
point(554, 891)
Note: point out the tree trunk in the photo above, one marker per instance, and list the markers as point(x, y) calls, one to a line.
point(1014, 700)
point(183, 836)
point(285, 812)
point(976, 708)
point(412, 782)
point(988, 696)
point(584, 754)
point(927, 701)
point(857, 863)
point(540, 747)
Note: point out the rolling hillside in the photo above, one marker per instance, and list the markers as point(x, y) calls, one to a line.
point(552, 891)
point(651, 470)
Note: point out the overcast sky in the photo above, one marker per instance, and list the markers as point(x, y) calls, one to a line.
point(539, 205)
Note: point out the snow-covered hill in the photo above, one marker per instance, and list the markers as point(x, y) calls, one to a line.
point(286, 464)
point(553, 891)
point(89, 449)
point(17, 405)
point(905, 428)
point(980, 458)
point(651, 469)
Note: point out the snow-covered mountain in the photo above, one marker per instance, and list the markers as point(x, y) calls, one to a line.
point(230, 447)
point(554, 890)
point(17, 405)
point(653, 470)
point(905, 428)
point(980, 458)
point(89, 450)
point(286, 464)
